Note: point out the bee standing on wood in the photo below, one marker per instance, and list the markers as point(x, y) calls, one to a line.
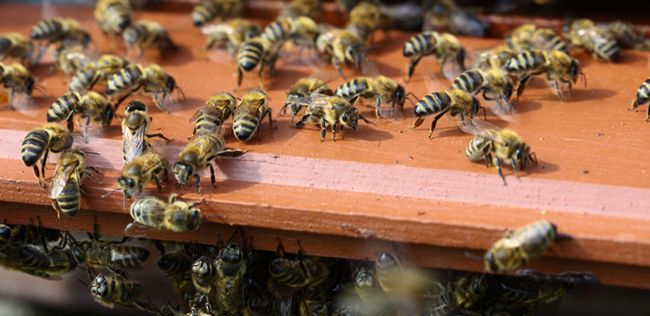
point(38, 142)
point(444, 47)
point(60, 32)
point(494, 84)
point(145, 168)
point(66, 182)
point(113, 16)
point(145, 34)
point(249, 113)
point(596, 40)
point(208, 10)
point(92, 107)
point(642, 97)
point(230, 34)
point(300, 92)
point(381, 88)
point(20, 83)
point(152, 80)
point(454, 102)
point(116, 289)
point(217, 109)
point(135, 125)
point(341, 47)
point(529, 37)
point(97, 71)
point(17, 47)
point(331, 111)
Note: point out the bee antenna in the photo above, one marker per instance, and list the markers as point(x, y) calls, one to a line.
point(181, 92)
point(110, 193)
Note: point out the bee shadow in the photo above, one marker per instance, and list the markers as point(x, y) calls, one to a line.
point(527, 105)
point(544, 166)
point(180, 56)
point(582, 94)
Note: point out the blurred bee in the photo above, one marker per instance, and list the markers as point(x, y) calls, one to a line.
point(365, 19)
point(16, 46)
point(19, 82)
point(300, 92)
point(66, 182)
point(529, 37)
point(145, 168)
point(499, 147)
point(494, 84)
point(60, 32)
point(45, 263)
point(559, 68)
point(298, 8)
point(98, 71)
point(642, 97)
point(302, 31)
point(135, 124)
point(145, 34)
point(208, 10)
point(117, 290)
point(444, 47)
point(151, 80)
point(230, 269)
point(38, 142)
point(600, 43)
point(204, 274)
point(466, 289)
point(113, 16)
point(174, 215)
point(331, 111)
point(230, 34)
point(382, 89)
point(71, 59)
point(447, 16)
point(496, 57)
point(341, 47)
point(627, 36)
point(217, 109)
point(199, 153)
point(92, 107)
point(454, 102)
point(177, 266)
point(253, 52)
point(388, 271)
point(249, 113)
point(516, 248)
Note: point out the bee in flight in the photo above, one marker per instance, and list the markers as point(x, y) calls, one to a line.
point(454, 102)
point(94, 72)
point(60, 32)
point(494, 84)
point(40, 141)
point(333, 111)
point(341, 47)
point(208, 10)
point(209, 119)
point(175, 215)
point(249, 114)
point(66, 182)
point(381, 88)
point(529, 36)
point(152, 80)
point(642, 97)
point(300, 92)
point(444, 47)
point(515, 249)
point(501, 147)
point(230, 34)
point(596, 40)
point(145, 168)
point(19, 48)
point(117, 290)
point(144, 34)
point(92, 107)
point(135, 125)
point(19, 82)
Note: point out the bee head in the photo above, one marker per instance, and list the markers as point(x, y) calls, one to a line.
point(194, 220)
point(99, 286)
point(507, 90)
point(574, 70)
point(350, 118)
point(170, 84)
point(182, 171)
point(277, 267)
point(364, 279)
point(5, 232)
point(201, 267)
point(128, 185)
point(400, 96)
point(135, 105)
point(386, 261)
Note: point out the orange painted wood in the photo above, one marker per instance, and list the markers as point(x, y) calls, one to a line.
point(384, 183)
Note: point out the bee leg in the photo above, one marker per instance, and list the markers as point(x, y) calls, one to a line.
point(268, 112)
point(377, 107)
point(240, 76)
point(410, 68)
point(70, 124)
point(43, 163)
point(647, 118)
point(418, 121)
point(198, 182)
point(522, 86)
point(323, 130)
point(260, 75)
point(86, 130)
point(158, 184)
point(334, 131)
point(497, 163)
point(159, 135)
point(633, 106)
point(435, 121)
point(513, 164)
point(213, 178)
point(283, 109)
point(337, 65)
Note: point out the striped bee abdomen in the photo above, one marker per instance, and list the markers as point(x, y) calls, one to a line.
point(420, 44)
point(47, 29)
point(34, 146)
point(526, 61)
point(62, 108)
point(69, 198)
point(245, 125)
point(124, 79)
point(83, 80)
point(432, 103)
point(477, 146)
point(127, 256)
point(208, 122)
point(607, 48)
point(277, 31)
point(204, 12)
point(556, 43)
point(352, 88)
point(470, 81)
point(249, 55)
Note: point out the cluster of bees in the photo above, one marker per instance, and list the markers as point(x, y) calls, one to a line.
point(233, 279)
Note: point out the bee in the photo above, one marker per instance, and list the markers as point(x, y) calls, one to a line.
point(366, 18)
point(91, 106)
point(151, 79)
point(331, 111)
point(71, 59)
point(135, 124)
point(515, 249)
point(230, 267)
point(559, 67)
point(298, 8)
point(499, 147)
point(217, 109)
point(642, 97)
point(204, 274)
point(66, 183)
point(381, 88)
point(208, 10)
point(38, 142)
point(496, 57)
point(444, 47)
point(174, 215)
point(145, 168)
point(45, 263)
point(19, 82)
point(117, 290)
point(302, 32)
point(596, 40)
point(529, 36)
point(145, 34)
point(253, 52)
point(454, 102)
point(230, 34)
point(249, 113)
point(341, 47)
point(60, 32)
point(113, 16)
point(16, 46)
point(494, 84)
point(388, 271)
point(447, 15)
point(177, 266)
point(466, 289)
point(627, 36)
point(300, 92)
point(98, 71)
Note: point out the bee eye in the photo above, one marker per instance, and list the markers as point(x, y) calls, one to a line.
point(130, 182)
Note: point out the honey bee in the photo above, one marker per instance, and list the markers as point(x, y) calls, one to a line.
point(44, 263)
point(444, 47)
point(117, 290)
point(559, 67)
point(381, 88)
point(341, 47)
point(627, 36)
point(208, 10)
point(145, 34)
point(365, 19)
point(298, 8)
point(529, 36)
point(300, 92)
point(177, 266)
point(447, 15)
point(596, 40)
point(217, 109)
point(230, 267)
point(302, 31)
point(66, 183)
point(16, 46)
point(145, 168)
point(135, 124)
point(465, 289)
point(496, 57)
point(71, 59)
point(38, 142)
point(19, 82)
point(152, 80)
point(253, 52)
point(642, 97)
point(113, 16)
point(175, 215)
point(388, 271)
point(454, 102)
point(98, 71)
point(249, 113)
point(60, 32)
point(499, 147)
point(92, 107)
point(204, 274)
point(199, 153)
point(230, 34)
point(494, 84)
point(516, 248)
point(331, 111)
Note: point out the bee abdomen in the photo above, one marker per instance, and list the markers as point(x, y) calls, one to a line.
point(204, 12)
point(62, 108)
point(124, 79)
point(432, 103)
point(82, 80)
point(420, 44)
point(525, 61)
point(275, 32)
point(68, 200)
point(207, 124)
point(352, 88)
point(128, 256)
point(47, 29)
point(245, 126)
point(470, 81)
point(643, 93)
point(34, 146)
point(557, 43)
point(250, 54)
point(608, 49)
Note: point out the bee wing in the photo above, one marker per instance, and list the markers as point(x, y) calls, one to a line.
point(60, 179)
point(21, 102)
point(476, 126)
point(136, 230)
point(369, 68)
point(133, 143)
